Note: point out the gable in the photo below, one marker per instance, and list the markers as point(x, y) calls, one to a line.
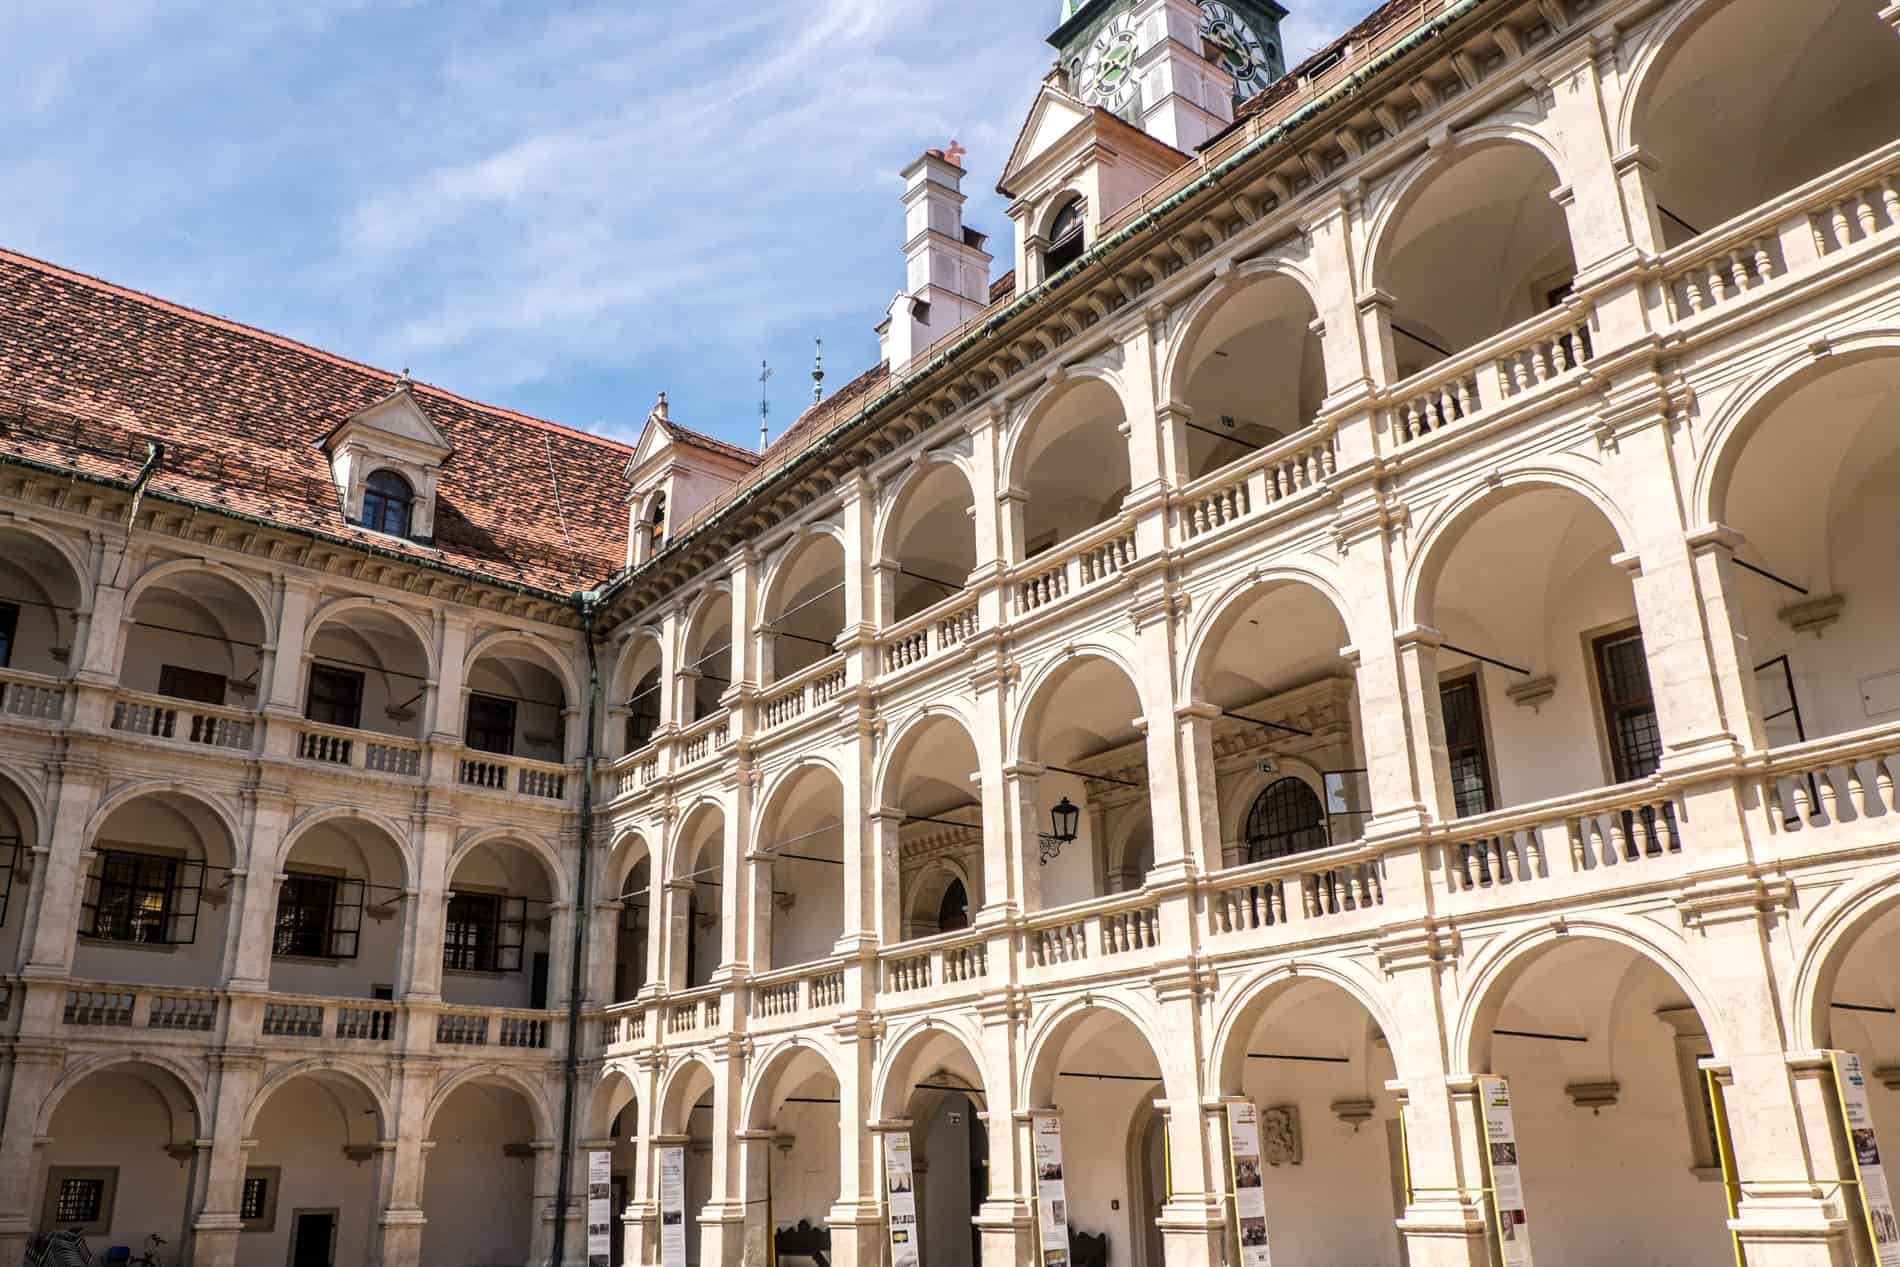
point(1054, 116)
point(399, 416)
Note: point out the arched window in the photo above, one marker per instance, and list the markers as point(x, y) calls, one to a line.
point(656, 522)
point(1287, 819)
point(1066, 238)
point(953, 913)
point(387, 503)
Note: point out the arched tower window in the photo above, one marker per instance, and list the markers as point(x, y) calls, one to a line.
point(388, 503)
point(1285, 820)
point(656, 522)
point(1066, 238)
point(953, 913)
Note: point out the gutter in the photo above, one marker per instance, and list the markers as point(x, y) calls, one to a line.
point(588, 604)
point(1148, 222)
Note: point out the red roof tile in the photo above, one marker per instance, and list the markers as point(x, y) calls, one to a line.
point(90, 371)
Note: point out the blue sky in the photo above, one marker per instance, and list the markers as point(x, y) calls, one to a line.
point(562, 207)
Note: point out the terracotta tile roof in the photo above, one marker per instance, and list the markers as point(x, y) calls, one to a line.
point(90, 371)
point(712, 444)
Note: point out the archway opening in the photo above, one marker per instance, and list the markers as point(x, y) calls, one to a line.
point(805, 609)
point(1544, 683)
point(314, 1177)
point(934, 1083)
point(686, 1121)
point(40, 597)
point(1858, 1010)
point(517, 706)
point(1100, 1078)
point(930, 544)
point(341, 912)
point(1253, 373)
point(697, 901)
point(496, 943)
point(117, 1161)
point(1070, 472)
point(631, 884)
point(799, 868)
point(479, 1187)
point(1808, 489)
point(196, 636)
point(1812, 86)
point(1315, 1064)
point(798, 1171)
point(1287, 749)
point(707, 670)
point(1479, 247)
point(1082, 729)
point(160, 879)
point(641, 694)
point(932, 783)
point(19, 831)
point(1600, 1048)
point(368, 671)
point(614, 1117)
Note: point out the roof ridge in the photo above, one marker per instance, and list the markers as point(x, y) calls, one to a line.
point(296, 345)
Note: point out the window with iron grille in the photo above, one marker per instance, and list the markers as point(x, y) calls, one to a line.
point(335, 698)
point(142, 898)
point(1629, 705)
point(1286, 819)
point(1463, 711)
point(491, 724)
point(388, 503)
point(485, 932)
point(80, 1199)
point(254, 1202)
point(319, 916)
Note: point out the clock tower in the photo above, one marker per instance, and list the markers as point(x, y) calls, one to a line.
point(1177, 69)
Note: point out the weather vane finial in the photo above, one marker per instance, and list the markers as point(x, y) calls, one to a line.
point(954, 155)
point(818, 373)
point(765, 403)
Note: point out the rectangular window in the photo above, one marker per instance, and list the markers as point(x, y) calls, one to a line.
point(258, 1204)
point(1629, 706)
point(485, 933)
point(491, 724)
point(79, 1199)
point(190, 684)
point(1463, 710)
point(319, 916)
point(336, 697)
point(142, 898)
point(9, 626)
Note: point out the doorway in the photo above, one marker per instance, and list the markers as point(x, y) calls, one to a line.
point(313, 1238)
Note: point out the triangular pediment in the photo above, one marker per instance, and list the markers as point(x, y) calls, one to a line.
point(400, 417)
point(655, 439)
point(1053, 117)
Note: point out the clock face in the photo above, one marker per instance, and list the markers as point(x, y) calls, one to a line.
point(1232, 44)
point(1108, 70)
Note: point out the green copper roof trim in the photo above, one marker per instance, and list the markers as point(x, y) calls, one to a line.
point(827, 446)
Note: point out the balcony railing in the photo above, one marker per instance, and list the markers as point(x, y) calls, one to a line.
point(623, 1023)
point(802, 994)
point(359, 750)
point(31, 696)
point(346, 1020)
point(806, 691)
point(1517, 362)
point(180, 722)
point(1273, 475)
point(936, 629)
point(932, 966)
point(1304, 888)
point(519, 776)
point(1095, 556)
point(493, 1027)
point(141, 1007)
point(692, 1012)
point(1101, 929)
point(704, 738)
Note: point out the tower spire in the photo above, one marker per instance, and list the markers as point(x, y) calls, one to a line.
point(818, 372)
point(765, 403)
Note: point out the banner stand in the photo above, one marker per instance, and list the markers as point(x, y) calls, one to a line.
point(670, 1160)
point(1725, 1155)
point(900, 1194)
point(1502, 1175)
point(1245, 1170)
point(1863, 1148)
point(1050, 1188)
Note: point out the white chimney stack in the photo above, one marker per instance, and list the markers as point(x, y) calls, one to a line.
point(947, 271)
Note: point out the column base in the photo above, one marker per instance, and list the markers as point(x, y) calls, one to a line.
point(857, 1235)
point(1794, 1232)
point(1193, 1234)
point(1446, 1234)
point(1007, 1234)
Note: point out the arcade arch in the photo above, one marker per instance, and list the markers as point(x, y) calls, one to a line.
point(630, 882)
point(1856, 1005)
point(804, 607)
point(341, 912)
point(929, 542)
point(1251, 372)
point(794, 1173)
point(516, 702)
point(695, 902)
point(318, 1133)
point(497, 938)
point(43, 605)
point(479, 1184)
point(640, 693)
point(160, 876)
point(195, 634)
point(1070, 467)
point(798, 876)
point(932, 1080)
point(706, 670)
point(367, 669)
point(1475, 246)
point(931, 782)
point(19, 832)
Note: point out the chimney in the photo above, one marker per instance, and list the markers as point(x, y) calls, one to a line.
point(947, 271)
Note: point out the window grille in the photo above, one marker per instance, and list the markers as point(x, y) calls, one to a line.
point(1629, 705)
point(142, 898)
point(256, 1199)
point(485, 932)
point(1463, 711)
point(319, 916)
point(1286, 819)
point(80, 1200)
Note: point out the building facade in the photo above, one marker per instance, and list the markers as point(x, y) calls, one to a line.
point(1387, 600)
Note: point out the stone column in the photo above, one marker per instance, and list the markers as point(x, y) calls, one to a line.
point(254, 884)
point(862, 885)
point(404, 1163)
point(887, 880)
point(1570, 86)
point(1712, 560)
point(36, 1065)
point(444, 721)
point(857, 1220)
point(1004, 1224)
point(1001, 896)
point(216, 1226)
point(1425, 720)
point(1193, 1220)
point(62, 859)
point(1356, 362)
point(1013, 875)
point(1154, 631)
point(425, 908)
point(295, 601)
point(722, 1222)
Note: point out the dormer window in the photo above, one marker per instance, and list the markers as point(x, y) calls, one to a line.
point(388, 504)
point(1066, 238)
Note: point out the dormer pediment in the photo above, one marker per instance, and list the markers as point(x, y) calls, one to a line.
point(398, 421)
point(1055, 115)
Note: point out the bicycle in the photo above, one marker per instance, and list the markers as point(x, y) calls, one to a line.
point(149, 1258)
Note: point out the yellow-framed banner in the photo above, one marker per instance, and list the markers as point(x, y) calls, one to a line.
point(1857, 1123)
point(1502, 1176)
point(1244, 1164)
